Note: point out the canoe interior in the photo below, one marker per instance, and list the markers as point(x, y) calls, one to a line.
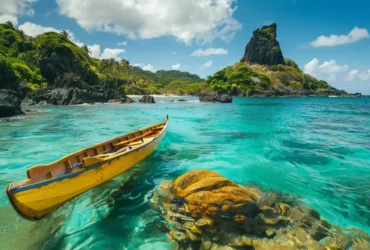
point(86, 157)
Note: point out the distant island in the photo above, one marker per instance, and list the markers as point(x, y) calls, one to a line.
point(51, 68)
point(264, 72)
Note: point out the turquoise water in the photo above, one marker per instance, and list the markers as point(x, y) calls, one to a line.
point(315, 148)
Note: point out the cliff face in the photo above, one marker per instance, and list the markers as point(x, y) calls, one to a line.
point(263, 48)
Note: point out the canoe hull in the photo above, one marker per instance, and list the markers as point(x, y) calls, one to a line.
point(34, 203)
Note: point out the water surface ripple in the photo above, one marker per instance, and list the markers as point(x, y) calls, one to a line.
point(315, 148)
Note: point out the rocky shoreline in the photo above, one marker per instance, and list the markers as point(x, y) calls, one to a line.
point(296, 93)
point(10, 103)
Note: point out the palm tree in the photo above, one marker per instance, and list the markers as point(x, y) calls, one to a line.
point(126, 65)
point(22, 34)
point(116, 70)
point(65, 34)
point(86, 49)
point(10, 24)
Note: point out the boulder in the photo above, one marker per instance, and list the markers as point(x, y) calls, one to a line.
point(215, 97)
point(147, 99)
point(70, 96)
point(23, 90)
point(204, 210)
point(70, 80)
point(263, 48)
point(10, 103)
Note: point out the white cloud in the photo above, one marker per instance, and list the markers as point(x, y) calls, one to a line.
point(11, 9)
point(5, 17)
point(328, 70)
point(352, 75)
point(333, 72)
point(210, 51)
point(145, 67)
point(358, 75)
point(365, 75)
point(187, 20)
point(149, 67)
point(207, 64)
point(124, 43)
point(94, 50)
point(111, 53)
point(176, 66)
point(33, 29)
point(356, 34)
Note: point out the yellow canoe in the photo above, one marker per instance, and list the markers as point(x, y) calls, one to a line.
point(51, 185)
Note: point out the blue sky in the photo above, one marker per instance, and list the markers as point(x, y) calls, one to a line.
point(163, 34)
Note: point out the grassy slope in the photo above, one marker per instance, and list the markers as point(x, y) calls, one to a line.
point(39, 61)
point(254, 78)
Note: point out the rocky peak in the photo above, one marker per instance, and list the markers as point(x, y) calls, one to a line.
point(263, 48)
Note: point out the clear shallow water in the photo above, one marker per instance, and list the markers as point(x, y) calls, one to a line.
point(315, 148)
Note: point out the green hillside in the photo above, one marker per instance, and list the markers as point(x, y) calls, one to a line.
point(250, 79)
point(38, 62)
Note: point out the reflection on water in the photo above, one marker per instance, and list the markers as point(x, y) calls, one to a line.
point(317, 149)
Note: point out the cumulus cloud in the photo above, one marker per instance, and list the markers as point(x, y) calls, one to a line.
point(186, 20)
point(355, 35)
point(148, 67)
point(176, 66)
point(107, 53)
point(210, 51)
point(11, 9)
point(352, 75)
point(94, 50)
point(365, 75)
point(358, 75)
point(5, 17)
point(333, 72)
point(33, 29)
point(207, 64)
point(111, 53)
point(124, 43)
point(328, 70)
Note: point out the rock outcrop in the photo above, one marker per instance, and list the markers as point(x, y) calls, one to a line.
point(147, 99)
point(214, 97)
point(71, 89)
point(203, 210)
point(58, 56)
point(263, 48)
point(62, 96)
point(10, 103)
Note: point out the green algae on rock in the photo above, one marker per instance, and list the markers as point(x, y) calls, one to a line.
point(204, 210)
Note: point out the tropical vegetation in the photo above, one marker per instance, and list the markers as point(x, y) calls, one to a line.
point(249, 78)
point(38, 61)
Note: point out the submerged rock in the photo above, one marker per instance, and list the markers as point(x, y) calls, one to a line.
point(204, 210)
point(147, 99)
point(214, 97)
